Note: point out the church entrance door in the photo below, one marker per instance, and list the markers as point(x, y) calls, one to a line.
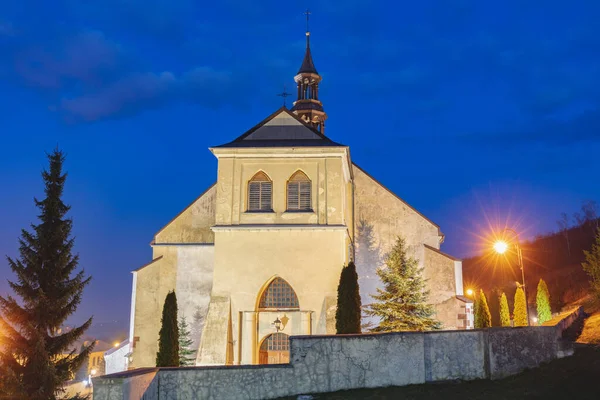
point(275, 349)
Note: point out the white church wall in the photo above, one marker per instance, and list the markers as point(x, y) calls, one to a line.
point(195, 264)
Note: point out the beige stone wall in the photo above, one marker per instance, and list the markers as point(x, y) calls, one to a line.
point(152, 284)
point(438, 270)
point(193, 224)
point(187, 269)
point(329, 188)
point(184, 257)
point(389, 215)
point(309, 259)
point(380, 217)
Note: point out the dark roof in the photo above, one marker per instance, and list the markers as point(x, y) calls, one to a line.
point(281, 129)
point(308, 66)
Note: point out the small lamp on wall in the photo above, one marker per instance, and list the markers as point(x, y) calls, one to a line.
point(277, 324)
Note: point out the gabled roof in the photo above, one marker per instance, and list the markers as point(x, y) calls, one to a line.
point(282, 129)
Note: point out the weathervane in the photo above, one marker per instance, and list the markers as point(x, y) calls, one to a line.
point(284, 94)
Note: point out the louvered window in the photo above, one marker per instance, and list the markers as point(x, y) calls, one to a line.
point(260, 191)
point(299, 192)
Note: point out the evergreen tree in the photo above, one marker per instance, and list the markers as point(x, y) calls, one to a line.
point(520, 308)
point(186, 345)
point(483, 318)
point(504, 311)
point(32, 365)
point(592, 265)
point(168, 340)
point(401, 304)
point(347, 315)
point(542, 301)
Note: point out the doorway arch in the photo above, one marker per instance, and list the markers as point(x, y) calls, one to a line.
point(274, 349)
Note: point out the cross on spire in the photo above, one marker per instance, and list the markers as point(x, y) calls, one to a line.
point(284, 94)
point(307, 13)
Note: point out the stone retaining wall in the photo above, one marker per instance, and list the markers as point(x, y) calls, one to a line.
point(337, 362)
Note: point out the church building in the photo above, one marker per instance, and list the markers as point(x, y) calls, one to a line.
point(257, 257)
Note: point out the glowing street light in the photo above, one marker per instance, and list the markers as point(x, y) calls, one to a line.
point(500, 247)
point(469, 292)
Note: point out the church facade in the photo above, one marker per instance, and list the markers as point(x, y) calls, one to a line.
point(257, 257)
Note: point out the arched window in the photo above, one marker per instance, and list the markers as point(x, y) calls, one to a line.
point(299, 196)
point(276, 342)
point(260, 191)
point(280, 295)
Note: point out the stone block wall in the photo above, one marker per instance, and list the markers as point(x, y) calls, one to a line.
point(337, 362)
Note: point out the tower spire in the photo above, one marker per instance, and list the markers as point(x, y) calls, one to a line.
point(308, 107)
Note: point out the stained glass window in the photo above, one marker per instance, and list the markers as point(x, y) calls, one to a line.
point(279, 294)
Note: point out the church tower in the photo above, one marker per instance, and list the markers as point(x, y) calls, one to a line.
point(308, 106)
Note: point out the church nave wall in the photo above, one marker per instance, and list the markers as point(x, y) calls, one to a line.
point(193, 224)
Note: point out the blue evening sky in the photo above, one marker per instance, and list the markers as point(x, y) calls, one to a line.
point(472, 111)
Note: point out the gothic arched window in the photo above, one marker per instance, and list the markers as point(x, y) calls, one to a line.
point(299, 194)
point(279, 294)
point(260, 193)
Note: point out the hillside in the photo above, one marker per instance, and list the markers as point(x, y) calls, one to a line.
point(554, 257)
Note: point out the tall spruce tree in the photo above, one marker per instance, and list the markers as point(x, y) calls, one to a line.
point(186, 345)
point(168, 337)
point(520, 308)
point(32, 361)
point(483, 317)
point(542, 302)
point(504, 311)
point(401, 305)
point(592, 265)
point(347, 315)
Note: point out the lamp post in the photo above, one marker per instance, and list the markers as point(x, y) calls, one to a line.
point(500, 247)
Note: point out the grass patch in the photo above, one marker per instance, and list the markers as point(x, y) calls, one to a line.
point(591, 327)
point(570, 377)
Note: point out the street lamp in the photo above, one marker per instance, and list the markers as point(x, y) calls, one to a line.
point(469, 292)
point(501, 246)
point(277, 324)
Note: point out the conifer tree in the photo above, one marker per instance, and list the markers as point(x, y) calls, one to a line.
point(32, 345)
point(592, 265)
point(401, 304)
point(504, 311)
point(520, 308)
point(542, 302)
point(347, 315)
point(483, 318)
point(168, 340)
point(186, 345)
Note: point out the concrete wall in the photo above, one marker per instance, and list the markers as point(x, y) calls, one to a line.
point(331, 363)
